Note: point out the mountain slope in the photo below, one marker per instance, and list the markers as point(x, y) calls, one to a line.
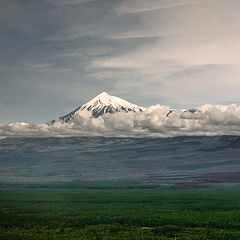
point(100, 105)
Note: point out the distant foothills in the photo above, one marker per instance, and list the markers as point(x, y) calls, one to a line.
point(107, 115)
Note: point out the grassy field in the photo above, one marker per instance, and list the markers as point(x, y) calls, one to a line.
point(119, 214)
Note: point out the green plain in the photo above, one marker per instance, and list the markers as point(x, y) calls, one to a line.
point(94, 214)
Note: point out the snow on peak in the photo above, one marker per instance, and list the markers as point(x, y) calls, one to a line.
point(105, 103)
point(103, 98)
point(100, 105)
point(108, 100)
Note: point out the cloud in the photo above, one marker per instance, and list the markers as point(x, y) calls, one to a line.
point(184, 44)
point(68, 2)
point(141, 6)
point(155, 121)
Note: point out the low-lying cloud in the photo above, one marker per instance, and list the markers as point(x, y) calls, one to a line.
point(155, 121)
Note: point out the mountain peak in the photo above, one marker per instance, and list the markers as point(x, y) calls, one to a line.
point(103, 97)
point(100, 105)
point(106, 103)
point(103, 94)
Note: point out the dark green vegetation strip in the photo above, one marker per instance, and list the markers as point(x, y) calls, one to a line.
point(119, 214)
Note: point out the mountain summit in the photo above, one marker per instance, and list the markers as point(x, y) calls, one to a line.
point(100, 105)
point(105, 103)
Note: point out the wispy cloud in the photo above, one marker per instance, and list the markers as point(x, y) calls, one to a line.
point(141, 6)
point(68, 2)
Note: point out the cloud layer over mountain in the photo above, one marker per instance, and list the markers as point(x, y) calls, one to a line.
point(157, 120)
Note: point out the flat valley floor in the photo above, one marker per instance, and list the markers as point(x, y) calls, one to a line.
point(95, 214)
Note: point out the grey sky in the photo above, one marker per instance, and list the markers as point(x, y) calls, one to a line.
point(57, 54)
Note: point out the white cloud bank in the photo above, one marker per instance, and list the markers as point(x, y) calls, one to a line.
point(157, 121)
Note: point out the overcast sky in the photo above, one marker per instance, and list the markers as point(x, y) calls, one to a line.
point(57, 54)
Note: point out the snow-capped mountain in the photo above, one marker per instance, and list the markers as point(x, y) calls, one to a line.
point(100, 105)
